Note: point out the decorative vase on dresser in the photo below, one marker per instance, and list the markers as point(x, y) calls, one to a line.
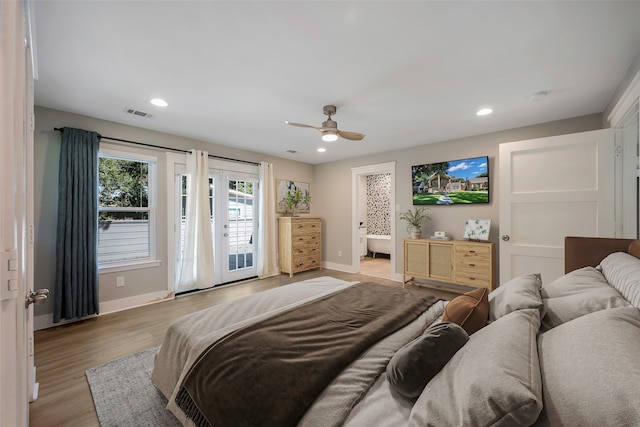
point(299, 244)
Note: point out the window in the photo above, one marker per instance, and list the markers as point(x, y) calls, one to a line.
point(126, 211)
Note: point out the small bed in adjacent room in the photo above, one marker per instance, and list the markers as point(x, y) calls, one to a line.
point(325, 352)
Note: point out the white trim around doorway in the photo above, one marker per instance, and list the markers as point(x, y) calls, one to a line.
point(356, 173)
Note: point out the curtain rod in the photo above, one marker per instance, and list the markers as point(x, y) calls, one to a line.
point(211, 156)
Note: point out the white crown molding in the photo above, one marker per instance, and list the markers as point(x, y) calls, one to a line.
point(626, 102)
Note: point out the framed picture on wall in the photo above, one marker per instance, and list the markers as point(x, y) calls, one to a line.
point(477, 229)
point(285, 187)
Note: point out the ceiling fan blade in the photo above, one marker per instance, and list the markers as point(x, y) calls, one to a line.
point(301, 125)
point(353, 136)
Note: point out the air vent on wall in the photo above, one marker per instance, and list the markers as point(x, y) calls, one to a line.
point(292, 151)
point(137, 113)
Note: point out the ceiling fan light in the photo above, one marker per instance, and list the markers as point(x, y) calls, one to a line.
point(329, 136)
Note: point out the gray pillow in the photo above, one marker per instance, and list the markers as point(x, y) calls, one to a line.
point(415, 364)
point(590, 370)
point(518, 293)
point(622, 271)
point(494, 380)
point(574, 282)
point(578, 293)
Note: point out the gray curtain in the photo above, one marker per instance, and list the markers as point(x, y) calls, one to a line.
point(76, 288)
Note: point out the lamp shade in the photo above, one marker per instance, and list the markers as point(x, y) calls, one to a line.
point(329, 136)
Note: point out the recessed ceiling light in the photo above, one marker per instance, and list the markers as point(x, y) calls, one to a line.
point(321, 150)
point(484, 111)
point(159, 102)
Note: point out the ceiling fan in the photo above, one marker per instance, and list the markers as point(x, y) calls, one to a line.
point(329, 128)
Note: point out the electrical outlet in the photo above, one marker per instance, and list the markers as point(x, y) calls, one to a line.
point(119, 281)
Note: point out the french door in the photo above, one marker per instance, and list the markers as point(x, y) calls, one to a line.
point(234, 215)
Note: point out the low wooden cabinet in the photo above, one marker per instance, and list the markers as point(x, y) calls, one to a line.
point(460, 262)
point(299, 244)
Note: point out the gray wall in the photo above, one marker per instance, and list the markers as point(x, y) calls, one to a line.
point(330, 188)
point(46, 154)
point(333, 190)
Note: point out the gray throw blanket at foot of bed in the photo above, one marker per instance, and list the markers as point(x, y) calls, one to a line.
point(269, 373)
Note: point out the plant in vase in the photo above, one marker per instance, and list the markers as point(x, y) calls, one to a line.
point(294, 199)
point(415, 219)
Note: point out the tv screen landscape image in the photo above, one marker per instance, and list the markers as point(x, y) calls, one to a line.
point(454, 182)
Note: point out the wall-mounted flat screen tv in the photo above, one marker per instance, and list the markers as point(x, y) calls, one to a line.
point(454, 182)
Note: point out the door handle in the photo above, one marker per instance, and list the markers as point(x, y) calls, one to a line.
point(505, 237)
point(37, 297)
point(226, 234)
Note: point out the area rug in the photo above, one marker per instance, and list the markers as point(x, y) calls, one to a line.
point(124, 395)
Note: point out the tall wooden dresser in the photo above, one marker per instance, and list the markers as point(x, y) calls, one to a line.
point(300, 245)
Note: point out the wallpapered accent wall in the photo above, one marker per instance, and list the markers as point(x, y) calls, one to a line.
point(378, 207)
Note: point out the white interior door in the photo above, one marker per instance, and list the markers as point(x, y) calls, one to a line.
point(551, 188)
point(16, 126)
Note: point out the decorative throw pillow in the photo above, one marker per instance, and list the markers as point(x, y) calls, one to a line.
point(622, 271)
point(518, 293)
point(595, 358)
point(494, 380)
point(577, 293)
point(470, 310)
point(415, 364)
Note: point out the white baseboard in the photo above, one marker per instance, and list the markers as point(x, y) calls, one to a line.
point(339, 267)
point(135, 301)
point(45, 321)
point(396, 277)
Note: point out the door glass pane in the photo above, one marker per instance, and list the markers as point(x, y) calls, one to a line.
point(240, 224)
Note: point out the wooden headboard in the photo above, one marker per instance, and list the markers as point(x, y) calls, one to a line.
point(589, 251)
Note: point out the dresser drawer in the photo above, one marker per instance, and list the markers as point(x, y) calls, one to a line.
point(479, 280)
point(305, 240)
point(304, 263)
point(477, 264)
point(305, 227)
point(465, 251)
point(312, 249)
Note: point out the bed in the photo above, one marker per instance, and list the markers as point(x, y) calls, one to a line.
point(519, 355)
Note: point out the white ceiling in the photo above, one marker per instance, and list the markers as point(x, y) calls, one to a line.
point(403, 73)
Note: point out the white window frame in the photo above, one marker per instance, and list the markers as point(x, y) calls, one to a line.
point(151, 260)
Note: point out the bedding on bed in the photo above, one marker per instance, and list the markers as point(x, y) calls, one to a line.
point(539, 346)
point(253, 372)
point(181, 347)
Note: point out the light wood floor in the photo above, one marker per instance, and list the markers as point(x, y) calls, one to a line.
point(63, 353)
point(377, 267)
